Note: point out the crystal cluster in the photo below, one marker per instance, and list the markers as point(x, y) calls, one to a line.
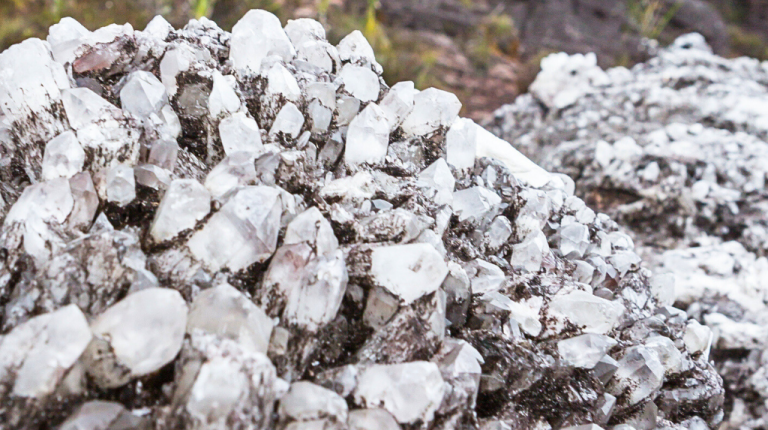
point(675, 149)
point(251, 230)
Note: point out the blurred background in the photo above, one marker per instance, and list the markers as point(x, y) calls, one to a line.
point(485, 51)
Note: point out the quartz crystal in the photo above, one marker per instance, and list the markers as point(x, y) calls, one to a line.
point(371, 419)
point(432, 109)
point(137, 336)
point(226, 312)
point(475, 204)
point(585, 350)
point(288, 122)
point(306, 401)
point(184, 204)
point(409, 391)
point(439, 179)
point(142, 94)
point(398, 103)
point(360, 82)
point(239, 133)
point(367, 137)
point(223, 99)
point(408, 271)
point(640, 373)
point(595, 314)
point(120, 185)
point(37, 354)
point(257, 35)
point(64, 157)
point(243, 232)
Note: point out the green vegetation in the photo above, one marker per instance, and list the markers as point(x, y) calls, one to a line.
point(651, 17)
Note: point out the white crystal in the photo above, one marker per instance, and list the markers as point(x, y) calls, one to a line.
point(484, 276)
point(574, 240)
point(640, 373)
point(144, 331)
point(347, 108)
point(367, 137)
point(184, 204)
point(223, 99)
point(240, 133)
point(371, 419)
point(163, 153)
point(584, 351)
point(120, 185)
point(355, 48)
point(143, 94)
point(461, 144)
point(226, 312)
point(475, 203)
point(671, 358)
point(697, 338)
point(408, 271)
point(304, 30)
point(281, 85)
point(158, 28)
point(176, 60)
point(232, 172)
point(306, 401)
point(360, 82)
point(152, 176)
point(310, 226)
point(409, 391)
point(31, 81)
point(37, 354)
point(432, 109)
point(94, 415)
point(440, 180)
point(86, 201)
point(288, 121)
point(257, 35)
point(583, 309)
point(398, 103)
point(63, 157)
point(244, 231)
point(65, 38)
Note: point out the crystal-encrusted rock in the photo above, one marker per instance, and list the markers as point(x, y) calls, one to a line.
point(408, 271)
point(184, 203)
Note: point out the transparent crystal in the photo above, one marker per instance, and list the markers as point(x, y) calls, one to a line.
point(257, 35)
point(583, 309)
point(671, 358)
point(152, 176)
point(475, 204)
point(461, 144)
point(244, 231)
point(223, 99)
point(35, 356)
point(184, 204)
point(240, 133)
point(640, 373)
point(490, 146)
point(232, 172)
point(398, 103)
point(409, 391)
point(306, 401)
point(63, 157)
point(529, 254)
point(360, 82)
point(281, 85)
point(440, 180)
point(371, 419)
point(584, 351)
point(288, 122)
point(86, 201)
point(120, 185)
point(65, 38)
point(408, 271)
point(484, 276)
point(136, 336)
point(355, 48)
point(574, 240)
point(142, 94)
point(499, 232)
point(226, 312)
point(304, 30)
point(347, 108)
point(176, 60)
point(367, 137)
point(96, 414)
point(432, 109)
point(163, 153)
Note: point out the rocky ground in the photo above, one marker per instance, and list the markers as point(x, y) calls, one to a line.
point(675, 151)
point(251, 230)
